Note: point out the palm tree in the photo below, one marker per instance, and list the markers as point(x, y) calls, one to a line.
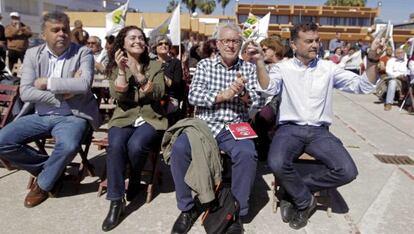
point(223, 4)
point(171, 6)
point(191, 5)
point(207, 7)
point(356, 3)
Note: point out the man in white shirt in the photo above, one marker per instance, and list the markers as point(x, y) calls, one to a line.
point(396, 70)
point(306, 85)
point(100, 55)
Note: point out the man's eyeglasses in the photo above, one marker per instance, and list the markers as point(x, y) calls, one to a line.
point(163, 43)
point(91, 42)
point(227, 42)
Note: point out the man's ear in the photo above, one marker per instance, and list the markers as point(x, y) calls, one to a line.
point(43, 36)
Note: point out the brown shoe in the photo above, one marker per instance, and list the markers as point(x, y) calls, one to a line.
point(35, 196)
point(387, 107)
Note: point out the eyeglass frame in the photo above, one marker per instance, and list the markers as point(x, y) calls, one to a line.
point(226, 42)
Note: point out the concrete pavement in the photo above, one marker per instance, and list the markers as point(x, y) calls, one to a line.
point(378, 201)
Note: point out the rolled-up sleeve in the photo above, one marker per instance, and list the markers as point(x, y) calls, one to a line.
point(275, 82)
point(350, 82)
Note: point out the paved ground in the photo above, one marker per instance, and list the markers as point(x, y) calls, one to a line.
point(378, 201)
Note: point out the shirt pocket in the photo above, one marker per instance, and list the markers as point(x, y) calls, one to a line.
point(319, 86)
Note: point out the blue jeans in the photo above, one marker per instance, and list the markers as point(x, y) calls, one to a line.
point(68, 132)
point(291, 141)
point(244, 161)
point(392, 87)
point(128, 144)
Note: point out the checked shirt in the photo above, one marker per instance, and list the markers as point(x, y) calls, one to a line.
point(212, 77)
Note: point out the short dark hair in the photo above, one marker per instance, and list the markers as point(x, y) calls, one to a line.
point(303, 27)
point(55, 16)
point(110, 39)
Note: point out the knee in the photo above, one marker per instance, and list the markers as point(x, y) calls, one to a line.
point(348, 173)
point(392, 83)
point(180, 146)
point(70, 148)
point(276, 164)
point(245, 155)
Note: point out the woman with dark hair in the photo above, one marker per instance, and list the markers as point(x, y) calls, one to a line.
point(138, 122)
point(209, 49)
point(173, 75)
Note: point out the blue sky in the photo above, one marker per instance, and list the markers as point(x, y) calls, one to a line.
point(397, 11)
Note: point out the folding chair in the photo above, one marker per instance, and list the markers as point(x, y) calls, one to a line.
point(8, 96)
point(410, 96)
point(83, 166)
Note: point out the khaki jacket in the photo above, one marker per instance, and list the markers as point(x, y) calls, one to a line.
point(133, 104)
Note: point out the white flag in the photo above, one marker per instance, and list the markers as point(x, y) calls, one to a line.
point(263, 27)
point(175, 26)
point(115, 20)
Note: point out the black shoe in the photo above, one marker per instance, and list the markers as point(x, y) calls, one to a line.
point(300, 219)
point(133, 190)
point(114, 215)
point(287, 210)
point(185, 221)
point(235, 228)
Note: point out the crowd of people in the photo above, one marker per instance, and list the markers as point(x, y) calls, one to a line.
point(219, 83)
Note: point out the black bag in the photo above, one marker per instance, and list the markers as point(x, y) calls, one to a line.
point(222, 213)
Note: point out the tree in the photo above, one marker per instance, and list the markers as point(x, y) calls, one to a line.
point(207, 7)
point(223, 4)
point(357, 3)
point(171, 6)
point(191, 5)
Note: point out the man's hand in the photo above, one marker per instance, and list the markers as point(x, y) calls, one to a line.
point(235, 89)
point(41, 83)
point(376, 49)
point(238, 85)
point(67, 96)
point(255, 51)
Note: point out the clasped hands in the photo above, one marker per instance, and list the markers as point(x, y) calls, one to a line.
point(236, 88)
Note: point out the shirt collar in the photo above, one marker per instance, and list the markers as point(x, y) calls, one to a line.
point(312, 63)
point(217, 60)
point(62, 56)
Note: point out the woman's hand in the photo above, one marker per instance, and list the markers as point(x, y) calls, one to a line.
point(121, 60)
point(147, 88)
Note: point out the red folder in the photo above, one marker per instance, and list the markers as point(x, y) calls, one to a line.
point(241, 131)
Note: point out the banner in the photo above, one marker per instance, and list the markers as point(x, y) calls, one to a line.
point(170, 26)
point(256, 28)
point(115, 20)
point(175, 26)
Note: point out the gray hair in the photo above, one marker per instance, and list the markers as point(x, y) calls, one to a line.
point(229, 25)
point(159, 38)
point(98, 40)
point(55, 16)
